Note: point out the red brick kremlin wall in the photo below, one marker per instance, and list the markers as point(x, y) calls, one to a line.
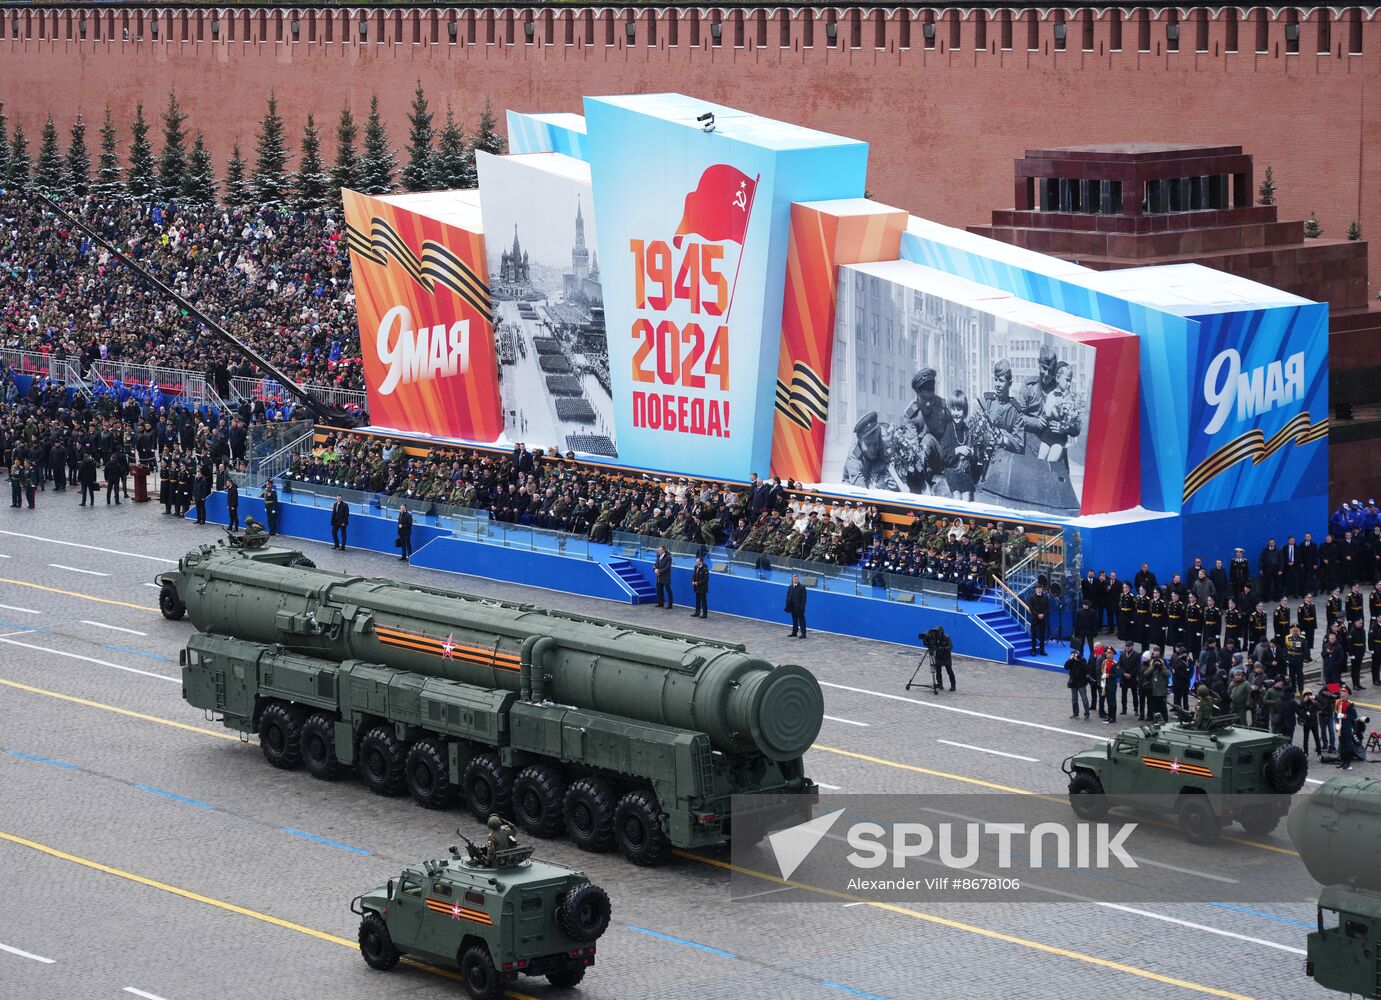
point(947, 98)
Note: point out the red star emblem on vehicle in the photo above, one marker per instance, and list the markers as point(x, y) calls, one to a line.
point(455, 911)
point(448, 647)
point(1175, 766)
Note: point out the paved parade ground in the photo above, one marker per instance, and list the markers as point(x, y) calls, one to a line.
point(149, 852)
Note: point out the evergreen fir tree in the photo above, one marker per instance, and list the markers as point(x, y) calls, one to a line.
point(345, 173)
point(449, 163)
point(172, 165)
point(1312, 229)
point(313, 183)
point(1266, 194)
point(140, 182)
point(236, 188)
point(79, 160)
point(4, 145)
point(271, 183)
point(417, 174)
point(378, 163)
point(488, 138)
point(199, 181)
point(1354, 230)
point(18, 173)
point(50, 173)
point(107, 184)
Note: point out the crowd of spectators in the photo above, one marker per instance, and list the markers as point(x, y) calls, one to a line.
point(277, 279)
point(767, 518)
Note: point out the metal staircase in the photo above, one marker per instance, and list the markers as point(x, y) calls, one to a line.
point(631, 581)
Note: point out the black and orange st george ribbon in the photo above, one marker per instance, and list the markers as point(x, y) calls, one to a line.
point(458, 912)
point(806, 399)
point(1177, 767)
point(437, 264)
point(1253, 445)
point(446, 648)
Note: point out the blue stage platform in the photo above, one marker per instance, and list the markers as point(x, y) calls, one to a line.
point(603, 571)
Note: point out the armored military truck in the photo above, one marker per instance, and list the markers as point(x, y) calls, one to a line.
point(1208, 775)
point(493, 914)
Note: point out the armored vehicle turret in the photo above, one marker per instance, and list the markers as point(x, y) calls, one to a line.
point(1207, 775)
point(491, 912)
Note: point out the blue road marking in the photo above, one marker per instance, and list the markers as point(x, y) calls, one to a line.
point(853, 992)
point(322, 840)
point(688, 944)
point(42, 760)
point(175, 798)
point(23, 628)
point(136, 652)
point(1267, 916)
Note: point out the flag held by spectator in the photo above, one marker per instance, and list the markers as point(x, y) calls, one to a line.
point(719, 207)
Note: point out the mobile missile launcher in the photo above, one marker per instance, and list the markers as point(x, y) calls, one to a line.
point(620, 736)
point(1208, 776)
point(494, 915)
point(1336, 831)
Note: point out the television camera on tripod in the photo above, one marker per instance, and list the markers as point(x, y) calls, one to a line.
point(938, 652)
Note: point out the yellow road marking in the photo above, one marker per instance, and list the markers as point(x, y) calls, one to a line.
point(923, 770)
point(219, 904)
point(120, 711)
point(1367, 704)
point(959, 925)
point(73, 593)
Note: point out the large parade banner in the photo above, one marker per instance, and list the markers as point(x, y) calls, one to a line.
point(694, 203)
point(425, 313)
point(544, 274)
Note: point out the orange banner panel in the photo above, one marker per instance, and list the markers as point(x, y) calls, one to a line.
point(426, 318)
point(823, 236)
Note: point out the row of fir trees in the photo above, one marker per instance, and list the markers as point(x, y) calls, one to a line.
point(435, 159)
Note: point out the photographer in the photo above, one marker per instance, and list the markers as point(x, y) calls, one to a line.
point(942, 655)
point(1077, 683)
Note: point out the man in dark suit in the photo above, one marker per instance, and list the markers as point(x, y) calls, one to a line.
point(1040, 620)
point(201, 489)
point(796, 606)
point(404, 533)
point(1290, 556)
point(700, 585)
point(661, 569)
point(340, 521)
point(232, 505)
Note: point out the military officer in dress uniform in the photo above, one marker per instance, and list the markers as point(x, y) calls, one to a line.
point(1213, 621)
point(1155, 631)
point(1126, 613)
point(1256, 625)
point(1143, 617)
point(1232, 626)
point(1281, 621)
point(1307, 615)
point(1194, 625)
point(1333, 609)
point(1174, 615)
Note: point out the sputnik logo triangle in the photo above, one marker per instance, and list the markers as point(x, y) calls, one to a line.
point(794, 844)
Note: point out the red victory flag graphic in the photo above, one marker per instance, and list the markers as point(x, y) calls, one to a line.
point(719, 207)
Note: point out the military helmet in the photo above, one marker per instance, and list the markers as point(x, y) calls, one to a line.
point(1202, 691)
point(494, 822)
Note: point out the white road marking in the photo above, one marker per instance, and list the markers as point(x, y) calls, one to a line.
point(860, 903)
point(1185, 871)
point(27, 611)
point(765, 892)
point(141, 993)
point(75, 569)
point(3, 556)
point(22, 631)
point(116, 628)
point(833, 788)
point(155, 586)
point(91, 659)
point(93, 548)
point(1204, 928)
point(28, 954)
point(998, 753)
point(1089, 735)
point(848, 722)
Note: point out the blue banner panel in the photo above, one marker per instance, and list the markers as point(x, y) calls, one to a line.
point(694, 211)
